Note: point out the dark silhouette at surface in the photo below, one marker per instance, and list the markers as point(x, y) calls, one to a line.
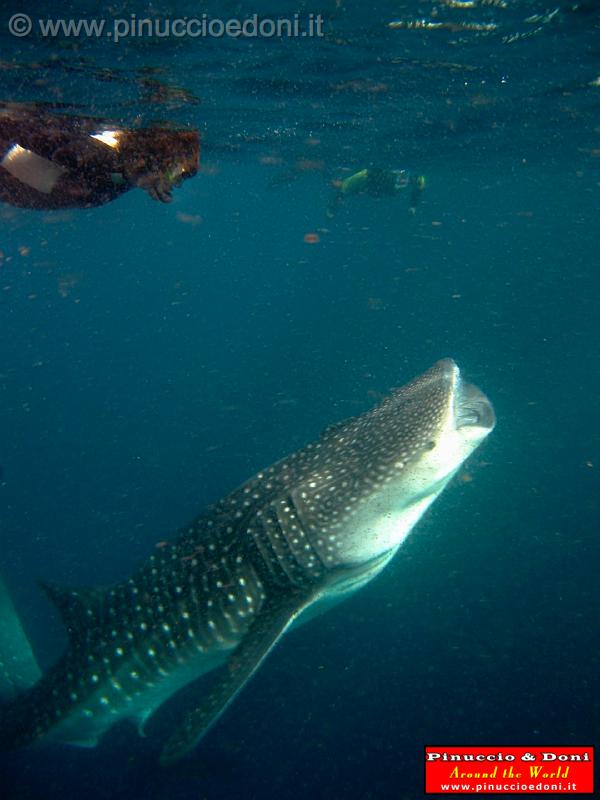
point(50, 161)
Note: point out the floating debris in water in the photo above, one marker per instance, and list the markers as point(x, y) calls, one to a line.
point(424, 24)
point(189, 219)
point(312, 238)
point(481, 27)
point(474, 3)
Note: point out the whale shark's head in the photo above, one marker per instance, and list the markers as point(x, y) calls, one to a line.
point(372, 477)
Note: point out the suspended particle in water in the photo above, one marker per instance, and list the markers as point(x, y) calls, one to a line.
point(312, 238)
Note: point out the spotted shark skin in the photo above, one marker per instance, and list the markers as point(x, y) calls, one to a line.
point(304, 533)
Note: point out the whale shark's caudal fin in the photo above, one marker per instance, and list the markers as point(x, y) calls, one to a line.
point(18, 667)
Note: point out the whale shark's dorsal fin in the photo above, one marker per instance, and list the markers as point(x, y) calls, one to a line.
point(277, 614)
point(78, 607)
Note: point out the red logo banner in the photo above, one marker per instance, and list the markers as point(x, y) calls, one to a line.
point(514, 770)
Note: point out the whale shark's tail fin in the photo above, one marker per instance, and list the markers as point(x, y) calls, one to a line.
point(18, 667)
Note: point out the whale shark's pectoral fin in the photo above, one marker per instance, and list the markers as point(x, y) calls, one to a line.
point(274, 618)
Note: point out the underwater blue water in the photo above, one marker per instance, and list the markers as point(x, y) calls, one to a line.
point(153, 357)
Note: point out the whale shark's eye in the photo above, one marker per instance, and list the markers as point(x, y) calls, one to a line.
point(431, 445)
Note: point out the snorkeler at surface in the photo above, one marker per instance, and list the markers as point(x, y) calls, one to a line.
point(50, 161)
point(377, 182)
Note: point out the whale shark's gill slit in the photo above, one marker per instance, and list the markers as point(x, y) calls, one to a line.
point(298, 562)
point(267, 536)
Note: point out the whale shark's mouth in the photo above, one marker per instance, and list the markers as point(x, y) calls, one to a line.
point(472, 408)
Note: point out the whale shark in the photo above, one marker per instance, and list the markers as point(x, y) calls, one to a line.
point(296, 538)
